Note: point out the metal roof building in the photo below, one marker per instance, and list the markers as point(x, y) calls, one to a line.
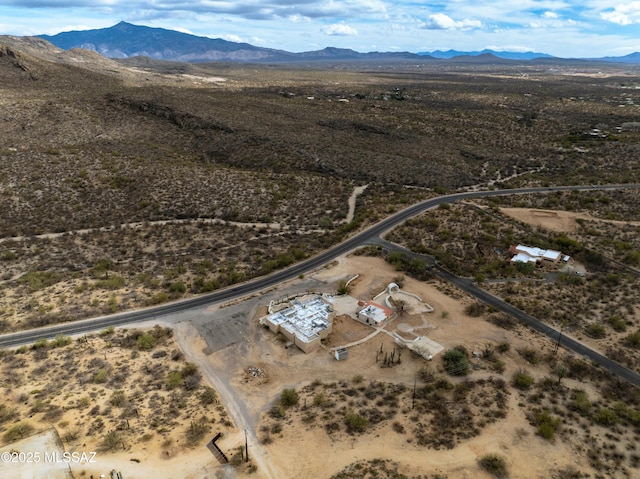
point(305, 323)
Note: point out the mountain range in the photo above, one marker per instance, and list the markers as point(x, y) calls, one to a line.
point(125, 40)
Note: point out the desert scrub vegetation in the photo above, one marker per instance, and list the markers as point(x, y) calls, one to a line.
point(602, 423)
point(117, 151)
point(601, 307)
point(375, 468)
point(465, 239)
point(494, 464)
point(79, 275)
point(110, 390)
point(443, 414)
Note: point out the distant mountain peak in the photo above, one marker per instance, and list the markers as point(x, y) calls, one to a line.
point(125, 40)
point(506, 55)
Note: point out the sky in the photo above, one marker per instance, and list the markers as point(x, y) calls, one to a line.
point(563, 28)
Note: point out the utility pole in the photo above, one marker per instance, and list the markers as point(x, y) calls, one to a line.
point(413, 397)
point(555, 351)
point(246, 447)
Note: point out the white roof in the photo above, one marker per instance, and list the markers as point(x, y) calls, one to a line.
point(523, 258)
point(551, 254)
point(304, 319)
point(376, 314)
point(534, 252)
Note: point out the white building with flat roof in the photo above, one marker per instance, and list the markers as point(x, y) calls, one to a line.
point(531, 254)
point(305, 323)
point(374, 314)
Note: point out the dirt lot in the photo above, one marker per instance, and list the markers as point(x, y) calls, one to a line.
point(555, 220)
point(302, 450)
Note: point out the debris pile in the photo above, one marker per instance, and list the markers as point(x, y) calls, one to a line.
point(255, 372)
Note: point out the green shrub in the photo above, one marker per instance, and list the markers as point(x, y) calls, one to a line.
point(595, 330)
point(8, 255)
point(111, 442)
point(289, 397)
point(18, 431)
point(495, 465)
point(101, 376)
point(146, 341)
point(60, 341)
point(111, 283)
point(118, 398)
point(581, 402)
point(40, 344)
point(174, 379)
point(158, 298)
point(633, 339)
point(197, 430)
point(355, 422)
point(522, 380)
point(208, 396)
point(547, 425)
point(606, 417)
point(108, 331)
point(617, 323)
point(343, 288)
point(7, 413)
point(178, 287)
point(319, 399)
point(530, 355)
point(456, 362)
point(475, 309)
point(37, 280)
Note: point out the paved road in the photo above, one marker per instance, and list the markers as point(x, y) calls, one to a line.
point(365, 237)
point(473, 289)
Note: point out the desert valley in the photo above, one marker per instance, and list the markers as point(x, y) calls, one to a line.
point(143, 198)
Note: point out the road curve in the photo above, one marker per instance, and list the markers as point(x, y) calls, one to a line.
point(263, 282)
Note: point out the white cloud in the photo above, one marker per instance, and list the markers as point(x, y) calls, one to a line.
point(550, 15)
point(509, 48)
point(299, 19)
point(623, 14)
point(183, 30)
point(230, 37)
point(440, 21)
point(340, 29)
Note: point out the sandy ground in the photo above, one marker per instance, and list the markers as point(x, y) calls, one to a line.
point(304, 454)
point(40, 456)
point(560, 221)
